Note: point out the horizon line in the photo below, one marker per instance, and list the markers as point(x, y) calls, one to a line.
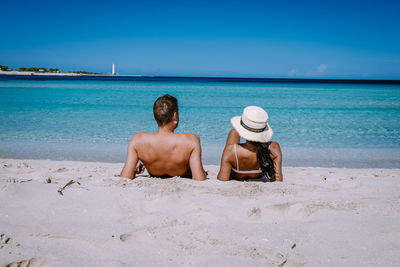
point(59, 76)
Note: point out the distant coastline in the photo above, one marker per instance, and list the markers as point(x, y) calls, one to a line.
point(46, 73)
point(23, 75)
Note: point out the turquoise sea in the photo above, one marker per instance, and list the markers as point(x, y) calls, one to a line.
point(316, 124)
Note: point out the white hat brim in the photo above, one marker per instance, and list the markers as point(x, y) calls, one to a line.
point(262, 137)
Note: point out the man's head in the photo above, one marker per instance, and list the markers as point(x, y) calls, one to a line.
point(164, 109)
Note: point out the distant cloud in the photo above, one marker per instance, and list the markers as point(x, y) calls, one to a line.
point(292, 72)
point(322, 68)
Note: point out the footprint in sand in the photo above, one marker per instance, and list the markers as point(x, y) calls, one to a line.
point(13, 180)
point(284, 256)
point(26, 165)
point(254, 212)
point(293, 209)
point(61, 170)
point(4, 239)
point(23, 164)
point(125, 237)
point(33, 262)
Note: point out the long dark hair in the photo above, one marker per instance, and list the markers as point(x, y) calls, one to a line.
point(264, 160)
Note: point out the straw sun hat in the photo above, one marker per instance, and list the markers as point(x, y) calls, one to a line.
point(253, 125)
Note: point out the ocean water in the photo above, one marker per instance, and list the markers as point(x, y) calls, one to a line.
point(316, 124)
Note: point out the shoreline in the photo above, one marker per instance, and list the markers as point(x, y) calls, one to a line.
point(386, 158)
point(133, 77)
point(32, 74)
point(86, 161)
point(315, 217)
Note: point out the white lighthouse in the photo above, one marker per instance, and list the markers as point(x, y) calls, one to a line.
point(113, 70)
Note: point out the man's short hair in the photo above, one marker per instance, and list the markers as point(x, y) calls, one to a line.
point(164, 109)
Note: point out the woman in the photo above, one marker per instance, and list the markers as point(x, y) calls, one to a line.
point(257, 158)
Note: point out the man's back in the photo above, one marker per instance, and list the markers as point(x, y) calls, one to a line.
point(165, 154)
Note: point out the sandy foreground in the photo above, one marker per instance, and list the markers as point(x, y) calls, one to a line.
point(316, 217)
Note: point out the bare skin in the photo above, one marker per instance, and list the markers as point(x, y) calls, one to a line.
point(165, 153)
point(247, 159)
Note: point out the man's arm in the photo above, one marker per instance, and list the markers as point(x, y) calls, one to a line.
point(226, 166)
point(129, 170)
point(277, 158)
point(196, 167)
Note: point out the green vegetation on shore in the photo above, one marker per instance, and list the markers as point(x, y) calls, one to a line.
point(85, 72)
point(37, 69)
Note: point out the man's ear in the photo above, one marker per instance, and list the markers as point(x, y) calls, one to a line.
point(175, 119)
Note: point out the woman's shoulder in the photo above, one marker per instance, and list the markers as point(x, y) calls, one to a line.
point(229, 154)
point(273, 144)
point(275, 148)
point(231, 148)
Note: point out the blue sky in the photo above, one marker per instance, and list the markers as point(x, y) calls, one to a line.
point(299, 39)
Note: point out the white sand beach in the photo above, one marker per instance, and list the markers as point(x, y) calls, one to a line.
point(316, 217)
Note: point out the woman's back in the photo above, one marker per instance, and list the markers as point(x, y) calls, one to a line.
point(257, 157)
point(244, 162)
point(239, 161)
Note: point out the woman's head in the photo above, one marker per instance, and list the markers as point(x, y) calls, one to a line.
point(253, 125)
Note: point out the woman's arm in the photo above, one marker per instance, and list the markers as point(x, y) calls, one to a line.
point(276, 154)
point(233, 138)
point(226, 165)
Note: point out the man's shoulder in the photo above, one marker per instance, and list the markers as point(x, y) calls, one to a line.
point(189, 136)
point(141, 134)
point(140, 137)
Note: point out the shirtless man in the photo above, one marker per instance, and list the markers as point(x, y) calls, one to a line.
point(165, 153)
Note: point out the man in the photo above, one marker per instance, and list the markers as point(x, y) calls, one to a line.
point(165, 153)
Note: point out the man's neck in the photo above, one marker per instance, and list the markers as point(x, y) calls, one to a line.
point(166, 129)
